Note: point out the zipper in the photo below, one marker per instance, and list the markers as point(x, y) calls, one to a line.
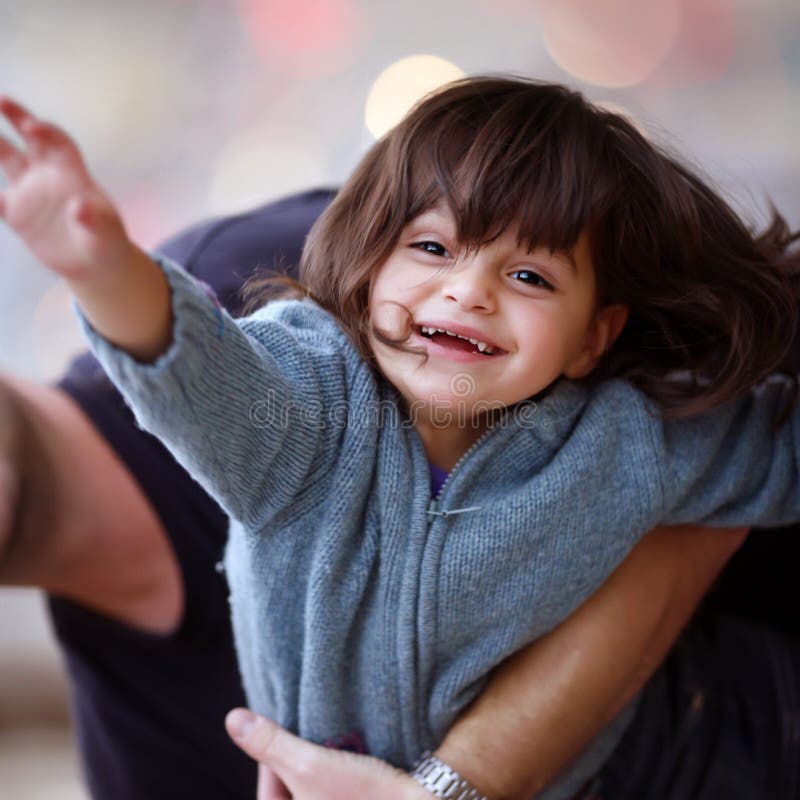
point(431, 515)
point(433, 505)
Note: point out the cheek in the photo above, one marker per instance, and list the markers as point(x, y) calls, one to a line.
point(545, 327)
point(576, 320)
point(551, 337)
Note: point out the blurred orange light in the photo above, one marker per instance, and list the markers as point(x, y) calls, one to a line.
point(612, 43)
point(401, 85)
point(261, 163)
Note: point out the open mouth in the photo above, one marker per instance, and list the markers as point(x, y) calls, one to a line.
point(456, 341)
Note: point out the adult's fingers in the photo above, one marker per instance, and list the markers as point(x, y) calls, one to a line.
point(270, 786)
point(314, 772)
point(264, 740)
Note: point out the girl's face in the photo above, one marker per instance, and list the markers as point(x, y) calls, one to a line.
point(498, 325)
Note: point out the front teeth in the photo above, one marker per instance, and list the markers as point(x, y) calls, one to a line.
point(482, 346)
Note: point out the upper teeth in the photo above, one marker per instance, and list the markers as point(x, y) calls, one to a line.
point(482, 346)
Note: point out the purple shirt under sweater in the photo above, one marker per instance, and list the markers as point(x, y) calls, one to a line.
point(438, 477)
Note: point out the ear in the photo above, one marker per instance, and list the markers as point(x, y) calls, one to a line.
point(603, 331)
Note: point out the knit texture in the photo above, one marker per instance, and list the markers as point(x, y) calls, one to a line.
point(358, 611)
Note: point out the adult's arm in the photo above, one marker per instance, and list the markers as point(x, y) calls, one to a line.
point(544, 704)
point(548, 701)
point(73, 521)
point(11, 436)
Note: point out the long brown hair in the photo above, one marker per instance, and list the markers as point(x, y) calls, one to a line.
point(712, 305)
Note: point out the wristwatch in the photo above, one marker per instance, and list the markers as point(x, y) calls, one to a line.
point(441, 780)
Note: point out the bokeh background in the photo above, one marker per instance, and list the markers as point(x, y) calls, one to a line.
point(187, 109)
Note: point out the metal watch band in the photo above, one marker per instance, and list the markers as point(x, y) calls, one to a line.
point(441, 780)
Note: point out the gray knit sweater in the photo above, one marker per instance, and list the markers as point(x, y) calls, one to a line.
point(363, 608)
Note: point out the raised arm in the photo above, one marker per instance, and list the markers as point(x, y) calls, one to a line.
point(72, 227)
point(546, 703)
point(212, 382)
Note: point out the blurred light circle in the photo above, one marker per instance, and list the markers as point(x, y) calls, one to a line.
point(401, 85)
point(705, 44)
point(611, 43)
point(310, 38)
point(261, 164)
point(107, 96)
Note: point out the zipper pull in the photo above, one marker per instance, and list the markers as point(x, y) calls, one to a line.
point(453, 511)
point(432, 510)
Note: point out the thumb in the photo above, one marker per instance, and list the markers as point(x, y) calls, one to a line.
point(309, 771)
point(264, 740)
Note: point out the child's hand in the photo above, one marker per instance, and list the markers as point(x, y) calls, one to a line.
point(53, 203)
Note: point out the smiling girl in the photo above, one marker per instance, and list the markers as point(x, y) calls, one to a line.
point(494, 326)
point(565, 323)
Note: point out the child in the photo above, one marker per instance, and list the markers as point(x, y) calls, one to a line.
point(470, 280)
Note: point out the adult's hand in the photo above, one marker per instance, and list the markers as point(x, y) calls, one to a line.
point(290, 767)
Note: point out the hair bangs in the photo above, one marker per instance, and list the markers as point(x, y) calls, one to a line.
point(502, 160)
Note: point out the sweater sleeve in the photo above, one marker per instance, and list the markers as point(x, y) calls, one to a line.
point(734, 465)
point(234, 400)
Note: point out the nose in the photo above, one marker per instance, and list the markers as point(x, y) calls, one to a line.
point(470, 285)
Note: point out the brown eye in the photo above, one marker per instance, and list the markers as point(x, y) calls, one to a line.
point(531, 278)
point(432, 248)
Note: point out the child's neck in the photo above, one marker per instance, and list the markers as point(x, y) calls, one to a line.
point(444, 446)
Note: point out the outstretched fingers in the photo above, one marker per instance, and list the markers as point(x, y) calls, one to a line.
point(41, 138)
point(46, 140)
point(20, 118)
point(12, 160)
